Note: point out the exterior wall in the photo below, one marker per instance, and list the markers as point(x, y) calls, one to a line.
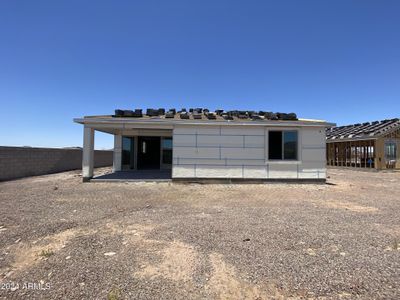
point(313, 149)
point(380, 154)
point(16, 162)
point(241, 152)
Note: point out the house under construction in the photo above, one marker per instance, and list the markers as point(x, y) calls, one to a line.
point(372, 145)
point(200, 144)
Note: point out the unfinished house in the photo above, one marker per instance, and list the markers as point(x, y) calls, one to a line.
point(198, 144)
point(373, 145)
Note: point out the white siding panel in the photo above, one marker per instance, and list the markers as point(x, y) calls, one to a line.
point(255, 172)
point(316, 174)
point(209, 130)
point(308, 175)
point(313, 136)
point(311, 155)
point(239, 152)
point(245, 162)
point(242, 153)
point(282, 171)
point(208, 141)
point(218, 172)
point(254, 141)
point(313, 170)
point(217, 140)
point(195, 161)
point(193, 152)
point(184, 130)
point(231, 141)
point(184, 140)
point(313, 165)
point(242, 130)
point(183, 171)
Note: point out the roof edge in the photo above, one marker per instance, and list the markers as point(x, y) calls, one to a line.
point(101, 120)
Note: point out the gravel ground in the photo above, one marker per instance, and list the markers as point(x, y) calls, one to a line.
point(60, 238)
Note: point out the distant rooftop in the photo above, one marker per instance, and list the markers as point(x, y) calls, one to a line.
point(362, 130)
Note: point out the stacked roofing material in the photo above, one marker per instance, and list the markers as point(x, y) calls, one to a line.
point(364, 130)
point(206, 114)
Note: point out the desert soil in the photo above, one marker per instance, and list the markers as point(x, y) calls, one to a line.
point(61, 238)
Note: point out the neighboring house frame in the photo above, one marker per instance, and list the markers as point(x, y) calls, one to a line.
point(374, 145)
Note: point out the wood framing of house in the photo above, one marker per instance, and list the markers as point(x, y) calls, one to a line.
point(372, 145)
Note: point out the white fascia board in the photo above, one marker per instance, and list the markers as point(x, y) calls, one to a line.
point(168, 124)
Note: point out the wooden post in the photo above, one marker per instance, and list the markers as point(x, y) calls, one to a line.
point(365, 156)
point(370, 153)
point(374, 154)
point(351, 155)
point(343, 146)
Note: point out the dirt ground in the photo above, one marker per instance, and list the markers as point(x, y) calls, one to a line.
point(61, 238)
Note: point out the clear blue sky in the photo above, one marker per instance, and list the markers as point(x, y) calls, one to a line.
point(333, 60)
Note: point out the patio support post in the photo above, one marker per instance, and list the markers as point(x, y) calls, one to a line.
point(117, 157)
point(88, 153)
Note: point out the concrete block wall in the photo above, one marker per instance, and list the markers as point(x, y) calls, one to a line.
point(17, 162)
point(242, 152)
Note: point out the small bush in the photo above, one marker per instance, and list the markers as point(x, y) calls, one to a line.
point(114, 294)
point(46, 253)
point(396, 245)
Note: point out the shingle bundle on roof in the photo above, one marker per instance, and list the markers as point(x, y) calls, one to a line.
point(206, 114)
point(364, 130)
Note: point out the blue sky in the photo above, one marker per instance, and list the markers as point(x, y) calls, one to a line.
point(333, 60)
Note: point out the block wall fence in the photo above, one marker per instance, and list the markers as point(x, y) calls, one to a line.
point(17, 162)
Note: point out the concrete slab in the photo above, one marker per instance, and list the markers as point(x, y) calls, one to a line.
point(135, 175)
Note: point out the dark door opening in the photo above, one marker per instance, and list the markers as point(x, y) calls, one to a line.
point(148, 152)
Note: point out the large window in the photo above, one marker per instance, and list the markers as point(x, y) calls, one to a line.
point(290, 145)
point(167, 151)
point(282, 145)
point(128, 158)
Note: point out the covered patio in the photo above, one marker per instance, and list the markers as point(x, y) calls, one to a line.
point(142, 151)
